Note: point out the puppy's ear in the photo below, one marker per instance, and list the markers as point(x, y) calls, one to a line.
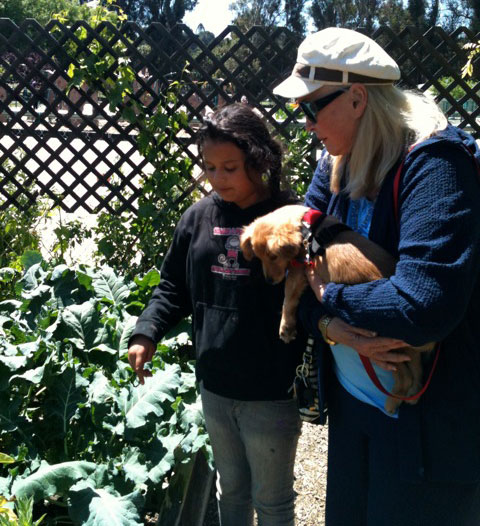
point(246, 243)
point(286, 243)
point(283, 250)
point(289, 251)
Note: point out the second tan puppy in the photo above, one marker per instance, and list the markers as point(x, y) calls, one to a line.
point(280, 241)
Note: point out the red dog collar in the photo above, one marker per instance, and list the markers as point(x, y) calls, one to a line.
point(311, 217)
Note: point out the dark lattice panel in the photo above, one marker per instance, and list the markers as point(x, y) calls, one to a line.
point(70, 147)
point(426, 58)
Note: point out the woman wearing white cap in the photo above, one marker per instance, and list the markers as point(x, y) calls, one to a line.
point(421, 465)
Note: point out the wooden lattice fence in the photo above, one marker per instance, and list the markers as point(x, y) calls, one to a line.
point(71, 148)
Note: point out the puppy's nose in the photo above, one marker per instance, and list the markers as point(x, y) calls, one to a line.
point(269, 280)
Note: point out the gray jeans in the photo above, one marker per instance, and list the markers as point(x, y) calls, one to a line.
point(254, 446)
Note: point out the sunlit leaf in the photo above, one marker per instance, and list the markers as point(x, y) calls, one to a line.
point(98, 507)
point(52, 480)
point(148, 399)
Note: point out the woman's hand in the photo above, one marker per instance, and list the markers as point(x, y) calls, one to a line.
point(141, 351)
point(381, 351)
point(316, 284)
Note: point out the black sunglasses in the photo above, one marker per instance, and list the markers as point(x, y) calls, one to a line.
point(312, 107)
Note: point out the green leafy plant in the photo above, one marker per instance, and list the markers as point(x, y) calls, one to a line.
point(19, 230)
point(23, 515)
point(134, 242)
point(299, 162)
point(454, 89)
point(20, 223)
point(473, 49)
point(19, 235)
point(67, 235)
point(457, 92)
point(84, 438)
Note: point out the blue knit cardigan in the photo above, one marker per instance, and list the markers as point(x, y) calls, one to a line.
point(434, 295)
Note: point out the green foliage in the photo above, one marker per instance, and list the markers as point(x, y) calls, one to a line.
point(40, 10)
point(135, 242)
point(270, 13)
point(131, 242)
point(18, 230)
point(23, 516)
point(76, 432)
point(473, 49)
point(67, 234)
point(393, 13)
point(457, 91)
point(7, 517)
point(19, 238)
point(299, 163)
point(396, 14)
point(167, 12)
point(345, 13)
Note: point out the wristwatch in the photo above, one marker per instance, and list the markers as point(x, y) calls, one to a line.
point(322, 325)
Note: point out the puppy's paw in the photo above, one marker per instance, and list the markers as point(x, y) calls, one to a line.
point(413, 391)
point(391, 404)
point(287, 332)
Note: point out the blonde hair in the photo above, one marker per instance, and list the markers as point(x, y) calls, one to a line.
point(393, 119)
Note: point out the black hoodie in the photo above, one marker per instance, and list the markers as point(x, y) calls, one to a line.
point(236, 314)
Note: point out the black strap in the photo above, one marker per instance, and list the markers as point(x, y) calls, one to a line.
point(322, 237)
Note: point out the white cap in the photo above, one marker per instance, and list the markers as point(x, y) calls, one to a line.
point(337, 56)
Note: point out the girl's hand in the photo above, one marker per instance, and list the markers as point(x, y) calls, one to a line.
point(381, 351)
point(141, 351)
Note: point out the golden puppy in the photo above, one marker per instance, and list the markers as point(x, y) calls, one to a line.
point(282, 241)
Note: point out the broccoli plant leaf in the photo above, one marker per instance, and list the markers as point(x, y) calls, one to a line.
point(134, 466)
point(108, 285)
point(82, 326)
point(10, 420)
point(65, 286)
point(32, 277)
point(164, 456)
point(34, 376)
point(126, 329)
point(14, 362)
point(52, 480)
point(100, 390)
point(66, 396)
point(67, 391)
point(98, 507)
point(147, 399)
point(149, 280)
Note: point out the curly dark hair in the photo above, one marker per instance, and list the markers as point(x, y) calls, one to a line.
point(240, 125)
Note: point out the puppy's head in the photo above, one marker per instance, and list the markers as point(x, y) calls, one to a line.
point(275, 239)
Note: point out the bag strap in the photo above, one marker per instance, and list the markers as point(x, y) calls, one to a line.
point(396, 192)
point(367, 364)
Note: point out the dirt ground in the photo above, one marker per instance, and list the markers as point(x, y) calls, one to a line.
point(310, 479)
